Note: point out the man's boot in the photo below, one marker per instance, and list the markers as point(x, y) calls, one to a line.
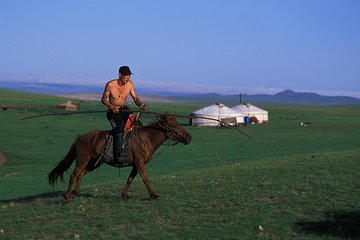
point(118, 142)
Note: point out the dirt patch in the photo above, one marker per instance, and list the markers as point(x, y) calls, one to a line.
point(2, 159)
point(15, 98)
point(11, 174)
point(82, 96)
point(96, 96)
point(157, 99)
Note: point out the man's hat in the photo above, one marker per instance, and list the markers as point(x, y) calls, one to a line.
point(125, 70)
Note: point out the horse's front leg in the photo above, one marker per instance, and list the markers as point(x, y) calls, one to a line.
point(143, 173)
point(125, 192)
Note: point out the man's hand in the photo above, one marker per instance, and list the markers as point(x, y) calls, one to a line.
point(144, 106)
point(115, 109)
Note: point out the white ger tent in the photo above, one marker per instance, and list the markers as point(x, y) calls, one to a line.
point(219, 112)
point(252, 111)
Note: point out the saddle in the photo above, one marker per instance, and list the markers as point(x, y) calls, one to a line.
point(109, 152)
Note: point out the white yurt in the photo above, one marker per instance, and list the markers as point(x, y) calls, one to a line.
point(250, 110)
point(217, 111)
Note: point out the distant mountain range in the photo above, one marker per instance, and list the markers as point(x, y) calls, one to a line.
point(287, 96)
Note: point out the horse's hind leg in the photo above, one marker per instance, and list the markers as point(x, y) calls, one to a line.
point(74, 176)
point(78, 181)
point(131, 177)
point(68, 194)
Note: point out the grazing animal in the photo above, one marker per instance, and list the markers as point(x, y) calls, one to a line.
point(89, 149)
point(304, 124)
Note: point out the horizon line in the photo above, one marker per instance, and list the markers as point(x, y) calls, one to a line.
point(177, 87)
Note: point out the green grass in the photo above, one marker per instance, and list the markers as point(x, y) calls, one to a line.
point(296, 183)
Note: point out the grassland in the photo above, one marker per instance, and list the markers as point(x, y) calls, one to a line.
point(288, 182)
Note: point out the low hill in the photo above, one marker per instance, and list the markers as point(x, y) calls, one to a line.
point(81, 91)
point(308, 97)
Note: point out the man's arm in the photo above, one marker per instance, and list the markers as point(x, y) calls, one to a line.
point(137, 99)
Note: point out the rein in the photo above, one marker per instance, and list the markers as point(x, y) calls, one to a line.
point(138, 112)
point(142, 112)
point(171, 145)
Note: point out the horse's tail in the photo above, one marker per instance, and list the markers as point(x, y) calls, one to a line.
point(63, 165)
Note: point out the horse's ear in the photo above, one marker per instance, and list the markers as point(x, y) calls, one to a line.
point(165, 116)
point(168, 118)
point(171, 118)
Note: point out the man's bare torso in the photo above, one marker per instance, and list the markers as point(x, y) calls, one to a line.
point(119, 92)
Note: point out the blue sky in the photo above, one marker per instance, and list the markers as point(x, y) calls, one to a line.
point(225, 46)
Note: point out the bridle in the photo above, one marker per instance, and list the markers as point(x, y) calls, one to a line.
point(167, 129)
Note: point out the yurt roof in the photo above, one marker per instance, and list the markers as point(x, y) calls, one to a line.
point(248, 108)
point(216, 110)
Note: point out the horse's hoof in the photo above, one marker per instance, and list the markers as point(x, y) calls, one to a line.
point(68, 197)
point(74, 194)
point(125, 196)
point(154, 196)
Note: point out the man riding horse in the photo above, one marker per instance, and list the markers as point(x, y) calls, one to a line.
point(114, 97)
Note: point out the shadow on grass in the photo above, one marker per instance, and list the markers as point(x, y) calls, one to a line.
point(48, 196)
point(344, 225)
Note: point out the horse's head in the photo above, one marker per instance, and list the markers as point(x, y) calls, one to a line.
point(173, 130)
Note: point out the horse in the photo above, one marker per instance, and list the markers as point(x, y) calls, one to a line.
point(88, 151)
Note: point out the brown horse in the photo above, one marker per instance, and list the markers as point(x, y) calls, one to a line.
point(89, 149)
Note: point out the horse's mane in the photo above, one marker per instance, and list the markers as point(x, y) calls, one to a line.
point(161, 122)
